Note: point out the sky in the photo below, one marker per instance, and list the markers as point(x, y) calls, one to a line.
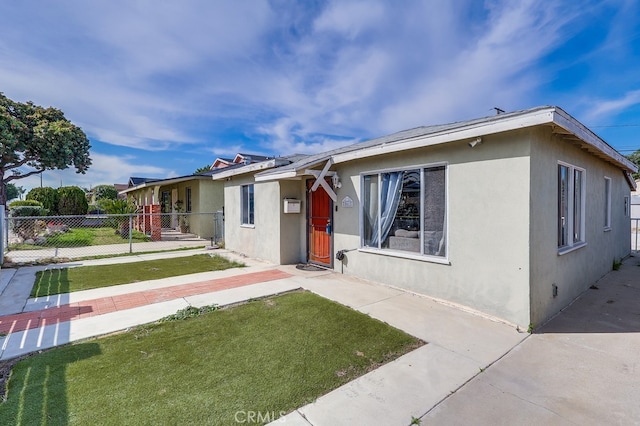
point(164, 88)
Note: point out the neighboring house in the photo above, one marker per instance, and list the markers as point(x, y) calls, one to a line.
point(195, 194)
point(121, 187)
point(513, 215)
point(263, 235)
point(221, 163)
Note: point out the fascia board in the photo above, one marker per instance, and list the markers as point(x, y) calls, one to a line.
point(250, 168)
point(565, 121)
point(544, 116)
point(291, 173)
point(276, 176)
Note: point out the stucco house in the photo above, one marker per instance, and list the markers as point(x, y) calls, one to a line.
point(193, 194)
point(190, 194)
point(512, 215)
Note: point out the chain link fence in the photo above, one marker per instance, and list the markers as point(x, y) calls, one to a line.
point(43, 239)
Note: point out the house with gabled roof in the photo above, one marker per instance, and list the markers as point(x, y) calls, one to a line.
point(512, 215)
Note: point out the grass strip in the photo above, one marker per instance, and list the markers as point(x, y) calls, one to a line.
point(83, 237)
point(67, 280)
point(268, 356)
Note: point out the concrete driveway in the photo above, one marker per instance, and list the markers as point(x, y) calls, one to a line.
point(583, 367)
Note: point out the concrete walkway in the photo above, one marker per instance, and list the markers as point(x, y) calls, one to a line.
point(582, 366)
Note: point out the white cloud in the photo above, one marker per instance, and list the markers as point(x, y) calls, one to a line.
point(495, 68)
point(350, 18)
point(613, 106)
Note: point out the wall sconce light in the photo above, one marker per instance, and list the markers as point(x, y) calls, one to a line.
point(335, 179)
point(476, 141)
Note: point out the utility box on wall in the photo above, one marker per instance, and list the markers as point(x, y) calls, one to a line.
point(291, 205)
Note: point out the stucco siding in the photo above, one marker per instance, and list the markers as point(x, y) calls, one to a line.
point(572, 272)
point(488, 217)
point(208, 197)
point(261, 240)
point(292, 225)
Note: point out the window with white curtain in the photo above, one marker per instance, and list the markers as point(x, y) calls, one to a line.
point(405, 211)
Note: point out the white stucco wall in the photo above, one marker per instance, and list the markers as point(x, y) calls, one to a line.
point(293, 242)
point(265, 238)
point(575, 271)
point(488, 223)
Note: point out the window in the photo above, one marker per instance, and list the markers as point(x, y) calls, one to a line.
point(246, 204)
point(187, 193)
point(627, 209)
point(405, 211)
point(607, 203)
point(571, 198)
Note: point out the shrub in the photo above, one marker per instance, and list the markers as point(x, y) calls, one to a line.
point(120, 223)
point(21, 203)
point(30, 227)
point(101, 192)
point(72, 201)
point(48, 196)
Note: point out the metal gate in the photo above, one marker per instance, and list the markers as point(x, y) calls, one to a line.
point(218, 227)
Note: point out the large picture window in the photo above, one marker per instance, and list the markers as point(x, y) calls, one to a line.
point(405, 211)
point(571, 207)
point(246, 204)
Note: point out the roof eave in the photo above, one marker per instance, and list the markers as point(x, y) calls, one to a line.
point(288, 174)
point(543, 116)
point(249, 168)
point(162, 182)
point(595, 145)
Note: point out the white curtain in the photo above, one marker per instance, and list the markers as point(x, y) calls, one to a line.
point(390, 193)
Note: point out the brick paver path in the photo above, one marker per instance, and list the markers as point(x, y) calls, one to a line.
point(105, 305)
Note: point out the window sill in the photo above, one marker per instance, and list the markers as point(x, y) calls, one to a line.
point(406, 255)
point(569, 249)
point(246, 225)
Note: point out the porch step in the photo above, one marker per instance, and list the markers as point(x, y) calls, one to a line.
point(169, 234)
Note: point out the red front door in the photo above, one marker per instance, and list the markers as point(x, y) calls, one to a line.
point(319, 224)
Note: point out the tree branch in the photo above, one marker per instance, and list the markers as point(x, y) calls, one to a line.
point(19, 163)
point(14, 177)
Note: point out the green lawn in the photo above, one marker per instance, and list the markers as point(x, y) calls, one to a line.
point(268, 356)
point(66, 280)
point(82, 237)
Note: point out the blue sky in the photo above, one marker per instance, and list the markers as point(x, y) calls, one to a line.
point(162, 88)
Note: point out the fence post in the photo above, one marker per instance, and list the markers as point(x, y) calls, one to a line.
point(3, 226)
point(130, 233)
